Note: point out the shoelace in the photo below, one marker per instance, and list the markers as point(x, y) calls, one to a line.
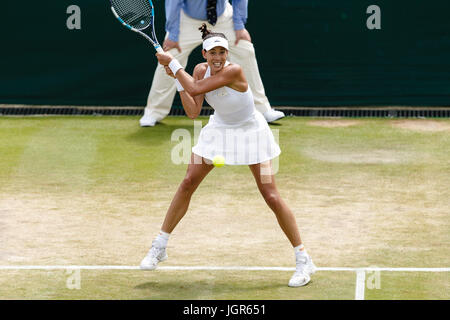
point(154, 251)
point(300, 264)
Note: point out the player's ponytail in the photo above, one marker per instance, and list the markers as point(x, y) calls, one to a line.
point(204, 30)
point(208, 33)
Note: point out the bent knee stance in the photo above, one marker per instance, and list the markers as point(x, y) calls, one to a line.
point(188, 185)
point(272, 199)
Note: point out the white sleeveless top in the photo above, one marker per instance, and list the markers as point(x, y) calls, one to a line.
point(235, 131)
point(230, 106)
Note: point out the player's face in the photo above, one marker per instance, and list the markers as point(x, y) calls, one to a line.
point(216, 58)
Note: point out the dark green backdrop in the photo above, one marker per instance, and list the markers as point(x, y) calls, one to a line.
point(310, 53)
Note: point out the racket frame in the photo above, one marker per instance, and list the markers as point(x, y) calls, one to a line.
point(153, 42)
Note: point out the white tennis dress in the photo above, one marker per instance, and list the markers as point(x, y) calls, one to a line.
point(236, 130)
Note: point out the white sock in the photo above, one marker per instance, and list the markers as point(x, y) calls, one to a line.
point(300, 250)
point(162, 238)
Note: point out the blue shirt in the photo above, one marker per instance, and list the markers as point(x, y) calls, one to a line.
point(196, 9)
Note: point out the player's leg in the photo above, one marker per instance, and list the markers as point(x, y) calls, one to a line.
point(265, 181)
point(196, 172)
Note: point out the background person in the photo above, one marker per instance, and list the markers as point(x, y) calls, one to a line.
point(183, 17)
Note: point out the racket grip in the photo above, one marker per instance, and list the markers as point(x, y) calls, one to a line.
point(159, 49)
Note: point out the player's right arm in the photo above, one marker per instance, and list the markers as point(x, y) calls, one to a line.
point(193, 104)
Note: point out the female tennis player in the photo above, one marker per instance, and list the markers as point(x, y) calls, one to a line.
point(235, 131)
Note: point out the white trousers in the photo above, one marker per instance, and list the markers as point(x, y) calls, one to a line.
point(163, 88)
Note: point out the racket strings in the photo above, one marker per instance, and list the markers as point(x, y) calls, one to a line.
point(137, 14)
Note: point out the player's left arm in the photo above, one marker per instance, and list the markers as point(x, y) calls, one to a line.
point(228, 76)
point(231, 76)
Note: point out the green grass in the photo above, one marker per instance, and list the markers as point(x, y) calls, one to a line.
point(163, 285)
point(94, 191)
point(411, 286)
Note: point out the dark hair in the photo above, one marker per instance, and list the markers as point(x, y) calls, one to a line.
point(208, 34)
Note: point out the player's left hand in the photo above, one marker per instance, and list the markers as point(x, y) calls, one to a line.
point(164, 58)
point(242, 35)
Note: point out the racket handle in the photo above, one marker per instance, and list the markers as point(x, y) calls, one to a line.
point(159, 49)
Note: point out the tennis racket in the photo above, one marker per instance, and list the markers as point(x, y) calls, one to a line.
point(138, 16)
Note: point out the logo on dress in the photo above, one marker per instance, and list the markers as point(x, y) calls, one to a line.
point(222, 92)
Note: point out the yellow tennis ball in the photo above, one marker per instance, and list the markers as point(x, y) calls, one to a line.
point(218, 161)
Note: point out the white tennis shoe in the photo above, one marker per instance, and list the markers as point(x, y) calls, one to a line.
point(154, 256)
point(303, 271)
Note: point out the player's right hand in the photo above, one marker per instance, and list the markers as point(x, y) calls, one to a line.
point(169, 44)
point(164, 58)
point(169, 72)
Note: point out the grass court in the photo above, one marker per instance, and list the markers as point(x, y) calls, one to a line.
point(93, 191)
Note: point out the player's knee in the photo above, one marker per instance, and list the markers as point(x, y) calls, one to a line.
point(272, 199)
point(187, 185)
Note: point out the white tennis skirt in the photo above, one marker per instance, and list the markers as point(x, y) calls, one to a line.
point(244, 143)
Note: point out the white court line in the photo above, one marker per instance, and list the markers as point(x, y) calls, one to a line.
point(360, 284)
point(242, 268)
point(360, 272)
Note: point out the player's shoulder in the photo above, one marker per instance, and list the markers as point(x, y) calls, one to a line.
point(200, 70)
point(232, 71)
point(233, 68)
